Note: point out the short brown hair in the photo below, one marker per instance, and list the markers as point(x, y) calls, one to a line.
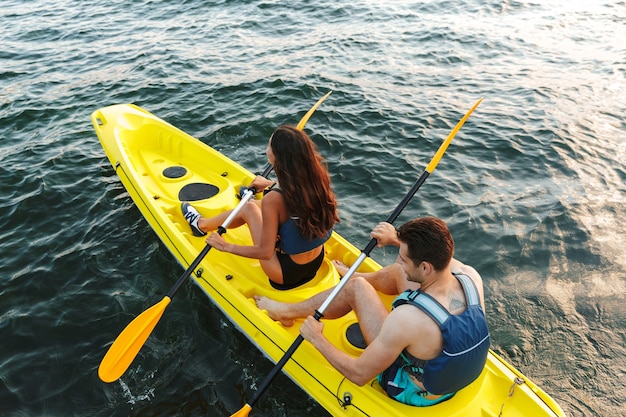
point(428, 239)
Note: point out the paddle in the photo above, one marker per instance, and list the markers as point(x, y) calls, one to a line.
point(245, 410)
point(127, 345)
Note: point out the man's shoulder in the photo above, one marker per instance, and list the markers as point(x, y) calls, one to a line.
point(458, 267)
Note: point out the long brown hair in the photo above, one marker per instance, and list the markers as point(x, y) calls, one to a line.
point(304, 180)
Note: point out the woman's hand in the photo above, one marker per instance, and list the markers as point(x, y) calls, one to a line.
point(260, 183)
point(216, 241)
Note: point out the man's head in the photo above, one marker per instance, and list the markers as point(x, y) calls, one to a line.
point(428, 240)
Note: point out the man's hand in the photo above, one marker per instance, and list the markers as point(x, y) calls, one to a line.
point(385, 234)
point(311, 330)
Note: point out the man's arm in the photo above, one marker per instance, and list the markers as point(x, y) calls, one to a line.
point(377, 357)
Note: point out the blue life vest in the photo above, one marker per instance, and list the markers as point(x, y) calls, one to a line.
point(465, 340)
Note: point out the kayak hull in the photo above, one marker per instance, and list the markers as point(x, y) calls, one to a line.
point(161, 166)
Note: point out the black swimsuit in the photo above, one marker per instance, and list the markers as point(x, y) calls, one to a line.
point(291, 242)
point(295, 274)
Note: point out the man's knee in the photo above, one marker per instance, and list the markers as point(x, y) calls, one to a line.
point(359, 284)
point(395, 271)
point(388, 280)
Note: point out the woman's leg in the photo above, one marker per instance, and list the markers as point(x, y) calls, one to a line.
point(247, 215)
point(251, 215)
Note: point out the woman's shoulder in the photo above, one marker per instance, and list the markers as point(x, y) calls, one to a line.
point(273, 201)
point(272, 188)
point(273, 194)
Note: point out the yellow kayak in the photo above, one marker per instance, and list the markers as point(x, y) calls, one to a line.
point(160, 166)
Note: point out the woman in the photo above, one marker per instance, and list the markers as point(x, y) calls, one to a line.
point(290, 224)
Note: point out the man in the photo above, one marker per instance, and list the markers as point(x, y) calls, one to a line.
point(433, 342)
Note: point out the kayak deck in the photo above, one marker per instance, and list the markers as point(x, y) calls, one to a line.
point(161, 166)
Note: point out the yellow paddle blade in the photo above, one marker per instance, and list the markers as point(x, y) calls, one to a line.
point(442, 149)
point(245, 410)
point(308, 114)
point(129, 342)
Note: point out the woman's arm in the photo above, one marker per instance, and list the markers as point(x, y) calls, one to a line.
point(264, 248)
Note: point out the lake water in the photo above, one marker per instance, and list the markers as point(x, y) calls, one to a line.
point(533, 187)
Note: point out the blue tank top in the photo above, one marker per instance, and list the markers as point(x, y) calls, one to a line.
point(291, 240)
point(465, 341)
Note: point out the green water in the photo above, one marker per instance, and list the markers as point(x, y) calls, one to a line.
point(532, 188)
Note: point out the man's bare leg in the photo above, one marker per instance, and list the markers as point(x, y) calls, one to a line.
point(286, 313)
point(358, 294)
point(389, 280)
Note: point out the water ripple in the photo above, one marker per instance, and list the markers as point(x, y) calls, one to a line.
point(534, 180)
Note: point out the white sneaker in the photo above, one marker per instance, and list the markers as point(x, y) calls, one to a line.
point(192, 216)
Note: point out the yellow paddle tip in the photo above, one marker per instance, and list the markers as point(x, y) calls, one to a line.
point(442, 149)
point(106, 376)
point(127, 345)
point(245, 410)
point(308, 114)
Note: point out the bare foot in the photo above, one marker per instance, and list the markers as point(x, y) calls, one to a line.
point(275, 309)
point(341, 267)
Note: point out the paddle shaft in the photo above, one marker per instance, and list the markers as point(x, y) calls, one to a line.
point(319, 313)
point(247, 195)
point(127, 345)
point(394, 215)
